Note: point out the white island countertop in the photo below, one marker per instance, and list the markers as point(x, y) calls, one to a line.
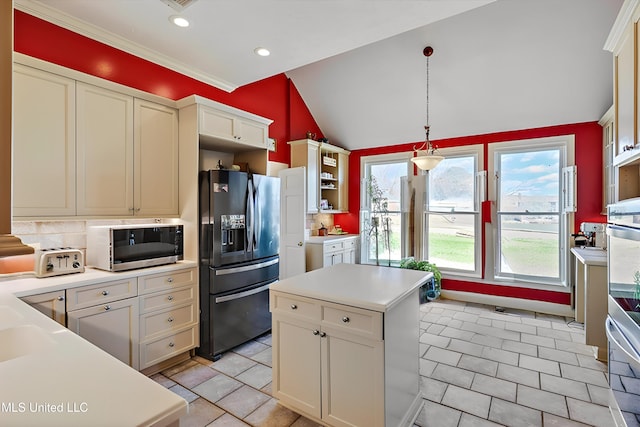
point(590, 256)
point(358, 285)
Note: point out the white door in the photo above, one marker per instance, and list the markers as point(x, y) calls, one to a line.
point(292, 221)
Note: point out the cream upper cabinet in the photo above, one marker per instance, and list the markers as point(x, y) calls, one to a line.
point(44, 143)
point(226, 128)
point(127, 155)
point(306, 152)
point(105, 152)
point(155, 156)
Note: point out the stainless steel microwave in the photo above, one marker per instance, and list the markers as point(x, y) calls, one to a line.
point(126, 247)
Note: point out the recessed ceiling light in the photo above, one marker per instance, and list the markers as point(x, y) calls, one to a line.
point(179, 21)
point(262, 51)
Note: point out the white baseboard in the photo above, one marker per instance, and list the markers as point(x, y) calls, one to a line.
point(516, 303)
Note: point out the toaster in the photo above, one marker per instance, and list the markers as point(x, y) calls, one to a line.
point(58, 261)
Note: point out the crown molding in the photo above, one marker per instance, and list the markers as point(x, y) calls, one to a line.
point(91, 31)
point(625, 16)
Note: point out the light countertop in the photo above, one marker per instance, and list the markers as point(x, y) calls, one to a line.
point(358, 285)
point(590, 256)
point(329, 238)
point(27, 285)
point(53, 377)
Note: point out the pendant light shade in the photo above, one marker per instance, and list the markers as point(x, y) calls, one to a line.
point(425, 156)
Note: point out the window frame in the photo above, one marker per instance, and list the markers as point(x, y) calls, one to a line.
point(476, 151)
point(566, 145)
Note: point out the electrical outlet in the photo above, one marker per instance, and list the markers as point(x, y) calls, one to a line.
point(271, 144)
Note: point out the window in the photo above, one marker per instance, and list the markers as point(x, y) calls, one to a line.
point(382, 221)
point(452, 213)
point(531, 222)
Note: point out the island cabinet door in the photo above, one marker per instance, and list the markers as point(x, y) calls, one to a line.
point(352, 380)
point(296, 364)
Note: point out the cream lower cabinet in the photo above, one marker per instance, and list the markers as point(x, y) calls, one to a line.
point(168, 315)
point(328, 361)
point(323, 252)
point(52, 304)
point(106, 314)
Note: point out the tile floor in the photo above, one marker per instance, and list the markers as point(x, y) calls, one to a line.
point(478, 367)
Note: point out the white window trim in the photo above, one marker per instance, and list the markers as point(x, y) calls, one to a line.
point(491, 233)
point(464, 150)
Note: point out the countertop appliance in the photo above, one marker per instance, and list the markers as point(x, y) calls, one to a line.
point(125, 247)
point(592, 234)
point(58, 261)
point(623, 320)
point(239, 245)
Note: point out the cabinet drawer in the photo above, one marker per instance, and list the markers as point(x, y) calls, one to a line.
point(164, 348)
point(172, 280)
point(164, 321)
point(350, 244)
point(295, 306)
point(166, 299)
point(87, 296)
point(362, 322)
point(333, 247)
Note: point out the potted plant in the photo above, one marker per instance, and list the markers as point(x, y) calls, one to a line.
point(431, 290)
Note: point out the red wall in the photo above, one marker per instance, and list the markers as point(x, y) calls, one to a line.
point(588, 156)
point(275, 98)
point(278, 99)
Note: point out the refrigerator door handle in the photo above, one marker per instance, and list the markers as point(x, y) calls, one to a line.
point(257, 219)
point(244, 294)
point(250, 214)
point(232, 270)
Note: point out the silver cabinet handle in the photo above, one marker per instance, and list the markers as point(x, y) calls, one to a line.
point(170, 280)
point(171, 344)
point(323, 334)
point(170, 319)
point(294, 307)
point(316, 332)
point(105, 293)
point(299, 243)
point(60, 298)
point(170, 297)
point(346, 319)
point(107, 307)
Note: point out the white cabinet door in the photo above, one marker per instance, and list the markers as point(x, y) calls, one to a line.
point(51, 304)
point(112, 326)
point(292, 222)
point(352, 380)
point(105, 151)
point(230, 128)
point(44, 143)
point(296, 355)
point(155, 157)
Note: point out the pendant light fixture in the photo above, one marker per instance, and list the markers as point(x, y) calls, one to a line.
point(425, 156)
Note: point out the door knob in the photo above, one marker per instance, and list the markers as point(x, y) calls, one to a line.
point(299, 243)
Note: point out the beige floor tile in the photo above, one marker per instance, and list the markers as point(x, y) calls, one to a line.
point(500, 356)
point(432, 389)
point(518, 375)
point(233, 364)
point(468, 420)
point(514, 415)
point(550, 420)
point(250, 349)
point(443, 356)
point(194, 375)
point(478, 364)
point(227, 420)
point(447, 417)
point(243, 401)
point(427, 367)
point(586, 375)
point(496, 387)
point(467, 401)
point(543, 400)
point(257, 376)
point(201, 413)
point(437, 340)
point(185, 393)
point(520, 347)
point(271, 414)
point(564, 386)
point(558, 355)
point(217, 387)
point(541, 365)
point(453, 375)
point(163, 381)
point(519, 327)
point(457, 333)
point(589, 413)
point(554, 333)
point(539, 341)
point(599, 395)
point(264, 357)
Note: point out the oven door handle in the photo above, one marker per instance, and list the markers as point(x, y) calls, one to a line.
point(625, 346)
point(623, 232)
point(244, 294)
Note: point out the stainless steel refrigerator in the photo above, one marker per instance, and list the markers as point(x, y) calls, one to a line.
point(239, 244)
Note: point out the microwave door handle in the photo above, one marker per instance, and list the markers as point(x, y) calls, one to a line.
point(625, 346)
point(623, 232)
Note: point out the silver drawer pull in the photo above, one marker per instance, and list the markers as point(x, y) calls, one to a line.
point(170, 280)
point(346, 319)
point(107, 307)
point(105, 293)
point(316, 332)
point(170, 319)
point(323, 334)
point(294, 307)
point(60, 298)
point(171, 344)
point(170, 297)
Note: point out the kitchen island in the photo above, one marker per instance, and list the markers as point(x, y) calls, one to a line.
point(346, 344)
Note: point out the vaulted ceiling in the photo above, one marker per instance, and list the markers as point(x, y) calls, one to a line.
point(358, 64)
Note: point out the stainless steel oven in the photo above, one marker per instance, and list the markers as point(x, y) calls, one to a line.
point(623, 320)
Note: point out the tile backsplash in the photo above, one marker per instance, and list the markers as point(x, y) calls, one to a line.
point(46, 234)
